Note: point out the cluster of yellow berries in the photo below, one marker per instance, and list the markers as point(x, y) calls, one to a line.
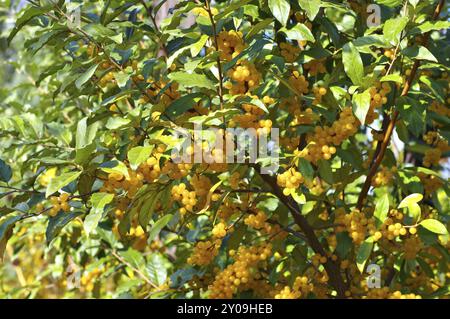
point(315, 187)
point(290, 180)
point(433, 155)
point(45, 178)
point(385, 293)
point(241, 273)
point(59, 203)
point(319, 142)
point(299, 82)
point(411, 247)
point(130, 184)
point(315, 67)
point(201, 184)
point(150, 169)
point(289, 52)
point(204, 252)
point(389, 53)
point(251, 118)
point(391, 230)
point(138, 236)
point(235, 178)
point(245, 77)
point(165, 97)
point(200, 11)
point(355, 223)
point(227, 209)
point(230, 44)
point(176, 170)
point(290, 143)
point(257, 220)
point(319, 92)
point(318, 259)
point(188, 199)
point(219, 230)
point(430, 183)
point(88, 279)
point(384, 176)
point(301, 288)
point(440, 108)
point(378, 95)
point(305, 117)
point(121, 206)
point(108, 78)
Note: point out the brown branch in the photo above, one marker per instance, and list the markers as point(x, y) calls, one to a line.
point(390, 127)
point(216, 44)
point(332, 268)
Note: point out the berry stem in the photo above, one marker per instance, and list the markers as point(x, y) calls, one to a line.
point(390, 127)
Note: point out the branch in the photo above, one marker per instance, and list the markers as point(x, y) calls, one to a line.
point(332, 268)
point(390, 127)
point(216, 44)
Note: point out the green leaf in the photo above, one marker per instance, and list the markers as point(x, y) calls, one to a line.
point(29, 14)
point(58, 182)
point(258, 27)
point(6, 231)
point(116, 122)
point(139, 154)
point(299, 32)
point(353, 65)
point(392, 29)
point(306, 168)
point(134, 258)
point(148, 208)
point(58, 222)
point(98, 202)
point(86, 76)
point(156, 269)
point(5, 171)
point(198, 46)
point(158, 226)
point(411, 199)
point(344, 244)
point(311, 7)
point(434, 226)
point(183, 104)
point(235, 239)
point(363, 253)
point(191, 80)
point(325, 171)
point(361, 105)
point(280, 10)
point(85, 134)
point(428, 26)
point(115, 167)
point(419, 53)
point(381, 210)
point(122, 78)
point(392, 78)
point(298, 197)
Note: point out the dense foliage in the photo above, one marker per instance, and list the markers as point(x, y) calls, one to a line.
point(93, 204)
